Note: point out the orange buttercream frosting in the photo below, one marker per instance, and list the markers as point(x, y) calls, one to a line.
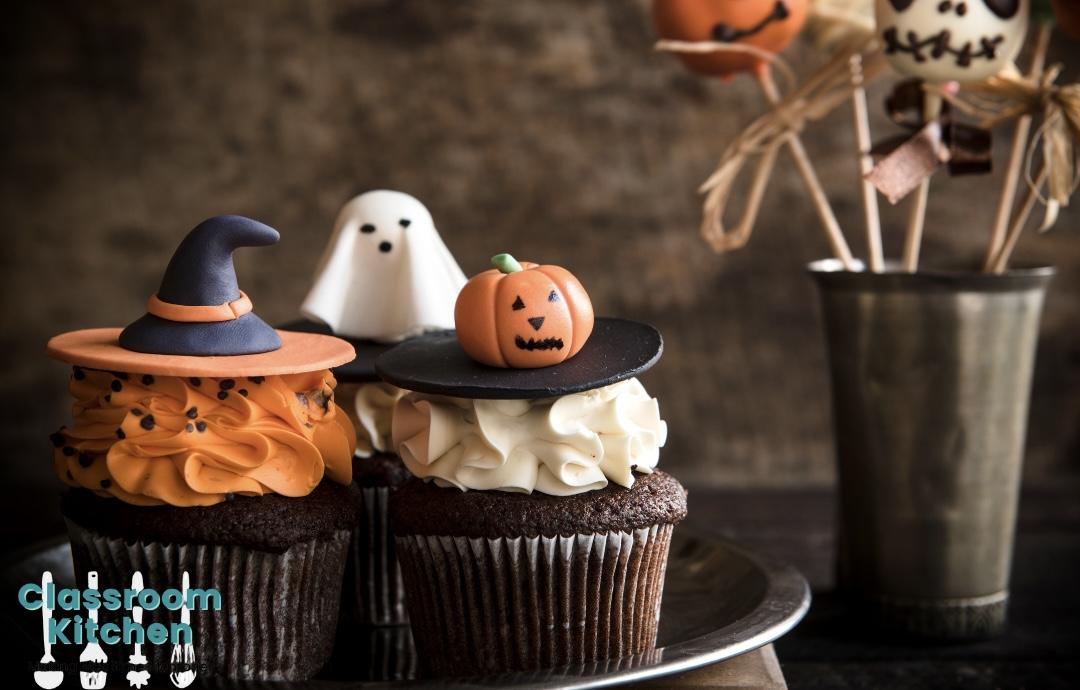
point(150, 440)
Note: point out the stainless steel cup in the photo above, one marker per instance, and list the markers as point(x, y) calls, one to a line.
point(931, 380)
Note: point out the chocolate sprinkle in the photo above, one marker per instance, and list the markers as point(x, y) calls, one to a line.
point(147, 422)
point(192, 413)
point(116, 386)
point(69, 476)
point(243, 392)
point(147, 380)
point(86, 459)
point(78, 373)
point(222, 395)
point(68, 451)
point(108, 397)
point(227, 384)
point(106, 483)
point(195, 381)
point(120, 375)
point(137, 412)
point(57, 439)
point(190, 427)
point(120, 434)
point(201, 426)
point(256, 379)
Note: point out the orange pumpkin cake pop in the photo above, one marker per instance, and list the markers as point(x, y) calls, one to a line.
point(768, 25)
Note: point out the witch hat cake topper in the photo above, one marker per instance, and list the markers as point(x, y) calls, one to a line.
point(200, 323)
point(199, 309)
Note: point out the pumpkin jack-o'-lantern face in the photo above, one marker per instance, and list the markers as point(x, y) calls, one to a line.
point(523, 316)
point(768, 25)
point(947, 40)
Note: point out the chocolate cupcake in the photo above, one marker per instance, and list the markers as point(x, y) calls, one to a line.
point(536, 529)
point(386, 276)
point(207, 445)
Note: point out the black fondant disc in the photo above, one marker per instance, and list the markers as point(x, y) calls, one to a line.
point(617, 349)
point(361, 369)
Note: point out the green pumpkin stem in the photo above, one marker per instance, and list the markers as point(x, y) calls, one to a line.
point(506, 263)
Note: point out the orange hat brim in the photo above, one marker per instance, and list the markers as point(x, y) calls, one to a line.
point(98, 348)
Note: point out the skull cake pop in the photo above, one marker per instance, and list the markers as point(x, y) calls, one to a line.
point(769, 25)
point(952, 40)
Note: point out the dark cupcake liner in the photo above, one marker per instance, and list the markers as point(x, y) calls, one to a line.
point(279, 610)
point(373, 592)
point(486, 606)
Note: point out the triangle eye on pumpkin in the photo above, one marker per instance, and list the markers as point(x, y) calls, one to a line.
point(518, 305)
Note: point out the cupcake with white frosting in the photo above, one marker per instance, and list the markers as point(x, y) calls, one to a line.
point(385, 276)
point(535, 530)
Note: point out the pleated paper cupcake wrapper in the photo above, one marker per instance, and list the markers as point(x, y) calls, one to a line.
point(278, 610)
point(486, 606)
point(373, 592)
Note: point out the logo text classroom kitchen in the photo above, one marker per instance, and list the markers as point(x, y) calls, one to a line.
point(63, 624)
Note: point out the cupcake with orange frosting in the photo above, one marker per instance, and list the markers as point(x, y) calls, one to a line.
point(535, 530)
point(204, 441)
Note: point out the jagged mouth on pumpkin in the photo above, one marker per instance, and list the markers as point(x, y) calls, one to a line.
point(939, 45)
point(725, 33)
point(533, 344)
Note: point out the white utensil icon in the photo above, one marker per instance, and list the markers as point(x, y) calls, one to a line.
point(92, 652)
point(137, 676)
point(183, 655)
point(47, 679)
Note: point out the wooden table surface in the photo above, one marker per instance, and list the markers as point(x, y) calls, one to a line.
point(834, 648)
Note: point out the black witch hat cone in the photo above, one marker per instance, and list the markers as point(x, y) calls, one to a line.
point(199, 308)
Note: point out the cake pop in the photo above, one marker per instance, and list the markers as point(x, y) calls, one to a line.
point(952, 40)
point(767, 25)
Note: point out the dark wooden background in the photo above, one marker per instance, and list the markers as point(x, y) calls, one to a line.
point(549, 129)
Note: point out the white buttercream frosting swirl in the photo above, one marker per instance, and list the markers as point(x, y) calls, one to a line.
point(558, 446)
point(374, 407)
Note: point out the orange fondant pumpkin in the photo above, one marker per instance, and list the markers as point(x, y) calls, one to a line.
point(766, 24)
point(523, 315)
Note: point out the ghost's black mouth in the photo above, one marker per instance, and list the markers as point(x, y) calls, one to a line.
point(724, 33)
point(532, 344)
point(939, 45)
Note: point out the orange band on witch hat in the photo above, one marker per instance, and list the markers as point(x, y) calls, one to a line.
point(188, 313)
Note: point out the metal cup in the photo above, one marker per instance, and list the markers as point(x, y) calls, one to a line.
point(931, 380)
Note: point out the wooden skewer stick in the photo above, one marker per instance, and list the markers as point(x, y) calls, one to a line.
point(866, 164)
point(913, 238)
point(1001, 261)
point(1016, 157)
point(806, 169)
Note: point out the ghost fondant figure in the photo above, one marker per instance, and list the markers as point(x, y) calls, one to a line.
point(768, 25)
point(386, 274)
point(951, 40)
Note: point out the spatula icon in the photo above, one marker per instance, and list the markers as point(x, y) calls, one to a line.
point(137, 675)
point(92, 652)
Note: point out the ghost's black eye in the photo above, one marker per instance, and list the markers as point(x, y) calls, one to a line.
point(367, 228)
point(518, 305)
point(1006, 9)
point(901, 5)
point(404, 222)
point(553, 296)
